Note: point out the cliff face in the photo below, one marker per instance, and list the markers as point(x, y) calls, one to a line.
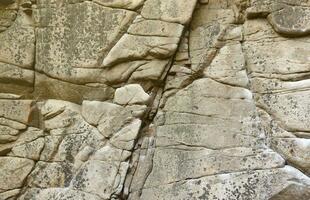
point(154, 99)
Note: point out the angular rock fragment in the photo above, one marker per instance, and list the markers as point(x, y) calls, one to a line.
point(179, 11)
point(8, 134)
point(131, 94)
point(110, 153)
point(124, 4)
point(57, 25)
point(17, 52)
point(58, 194)
point(155, 28)
point(30, 150)
point(295, 151)
point(293, 191)
point(18, 43)
point(293, 21)
point(13, 172)
point(260, 184)
point(46, 87)
point(49, 175)
point(182, 163)
point(9, 10)
point(70, 48)
point(96, 177)
point(16, 110)
point(9, 194)
point(93, 111)
point(229, 66)
point(134, 47)
point(124, 139)
point(150, 71)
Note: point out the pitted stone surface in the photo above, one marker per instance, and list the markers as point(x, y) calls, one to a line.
point(291, 21)
point(154, 100)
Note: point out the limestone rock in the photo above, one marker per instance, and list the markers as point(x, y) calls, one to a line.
point(58, 194)
point(49, 175)
point(154, 99)
point(46, 87)
point(206, 31)
point(13, 172)
point(150, 71)
point(58, 25)
point(29, 150)
point(24, 139)
point(93, 111)
point(96, 177)
point(291, 21)
point(125, 4)
point(293, 191)
point(16, 110)
point(295, 151)
point(18, 43)
point(181, 164)
point(179, 11)
point(9, 194)
point(131, 94)
point(12, 124)
point(87, 37)
point(236, 185)
point(112, 122)
point(124, 139)
point(155, 28)
point(229, 66)
point(109, 153)
point(8, 134)
point(9, 10)
point(133, 47)
point(17, 52)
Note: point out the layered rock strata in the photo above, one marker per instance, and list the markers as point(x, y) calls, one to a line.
point(154, 99)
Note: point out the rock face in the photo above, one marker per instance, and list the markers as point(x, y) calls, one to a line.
point(154, 99)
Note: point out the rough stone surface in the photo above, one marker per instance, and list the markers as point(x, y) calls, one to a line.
point(291, 21)
point(13, 172)
point(131, 94)
point(154, 100)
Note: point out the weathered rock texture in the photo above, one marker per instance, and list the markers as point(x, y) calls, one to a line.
point(154, 99)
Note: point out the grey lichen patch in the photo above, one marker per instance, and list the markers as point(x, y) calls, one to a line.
point(137, 99)
point(291, 21)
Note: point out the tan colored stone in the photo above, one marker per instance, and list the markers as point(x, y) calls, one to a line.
point(291, 21)
point(18, 43)
point(93, 111)
point(150, 71)
point(58, 194)
point(50, 175)
point(179, 11)
point(17, 110)
point(46, 87)
point(56, 26)
point(133, 47)
point(125, 4)
point(260, 184)
point(124, 139)
point(96, 177)
point(295, 151)
point(155, 28)
point(9, 194)
point(131, 94)
point(31, 150)
point(183, 163)
point(13, 172)
point(229, 66)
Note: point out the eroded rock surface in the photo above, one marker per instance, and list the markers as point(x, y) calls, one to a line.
point(154, 99)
